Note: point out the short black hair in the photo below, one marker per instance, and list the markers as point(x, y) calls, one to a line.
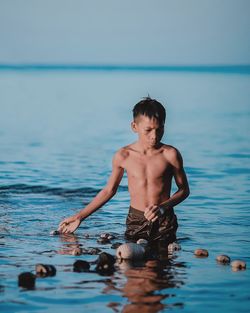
point(150, 108)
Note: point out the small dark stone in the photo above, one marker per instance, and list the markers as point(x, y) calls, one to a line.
point(81, 266)
point(93, 251)
point(103, 241)
point(115, 245)
point(105, 264)
point(107, 236)
point(45, 270)
point(26, 280)
point(54, 233)
point(52, 270)
point(104, 235)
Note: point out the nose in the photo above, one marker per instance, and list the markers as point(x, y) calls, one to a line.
point(153, 135)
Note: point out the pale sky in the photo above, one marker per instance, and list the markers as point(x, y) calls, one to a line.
point(178, 32)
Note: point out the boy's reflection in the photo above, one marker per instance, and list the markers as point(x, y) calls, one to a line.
point(145, 279)
point(145, 284)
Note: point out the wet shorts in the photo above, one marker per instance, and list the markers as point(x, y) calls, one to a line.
point(164, 228)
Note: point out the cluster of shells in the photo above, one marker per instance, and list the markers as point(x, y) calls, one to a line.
point(236, 265)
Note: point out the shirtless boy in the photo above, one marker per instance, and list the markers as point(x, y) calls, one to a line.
point(150, 167)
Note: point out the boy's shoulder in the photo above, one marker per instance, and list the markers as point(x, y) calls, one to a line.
point(171, 153)
point(169, 149)
point(122, 153)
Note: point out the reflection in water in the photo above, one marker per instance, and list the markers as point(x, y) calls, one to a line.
point(72, 243)
point(147, 283)
point(144, 285)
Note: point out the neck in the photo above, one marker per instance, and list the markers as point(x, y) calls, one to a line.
point(144, 148)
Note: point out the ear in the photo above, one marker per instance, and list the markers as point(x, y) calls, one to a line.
point(134, 127)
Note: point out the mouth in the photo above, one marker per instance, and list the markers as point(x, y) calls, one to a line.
point(153, 143)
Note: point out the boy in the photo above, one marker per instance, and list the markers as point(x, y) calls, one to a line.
point(150, 167)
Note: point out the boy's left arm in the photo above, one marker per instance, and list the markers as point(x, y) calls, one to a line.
point(181, 181)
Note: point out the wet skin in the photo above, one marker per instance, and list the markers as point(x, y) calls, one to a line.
point(150, 166)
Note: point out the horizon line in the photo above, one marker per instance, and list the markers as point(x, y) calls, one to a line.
point(202, 68)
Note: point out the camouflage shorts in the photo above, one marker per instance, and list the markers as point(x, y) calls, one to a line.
point(164, 228)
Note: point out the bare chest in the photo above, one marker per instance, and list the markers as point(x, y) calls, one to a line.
point(147, 167)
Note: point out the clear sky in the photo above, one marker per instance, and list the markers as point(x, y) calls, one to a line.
point(178, 32)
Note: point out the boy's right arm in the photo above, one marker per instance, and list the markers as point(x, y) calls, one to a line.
point(70, 224)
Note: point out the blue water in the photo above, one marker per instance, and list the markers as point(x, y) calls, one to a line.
point(58, 132)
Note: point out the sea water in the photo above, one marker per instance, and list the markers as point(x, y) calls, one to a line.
point(58, 133)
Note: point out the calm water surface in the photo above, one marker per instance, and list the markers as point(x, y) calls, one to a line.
point(58, 132)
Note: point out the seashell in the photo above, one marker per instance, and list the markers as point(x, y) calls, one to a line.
point(238, 265)
point(174, 246)
point(44, 270)
point(142, 242)
point(130, 251)
point(223, 259)
point(105, 263)
point(76, 251)
point(201, 252)
point(26, 280)
point(54, 233)
point(81, 266)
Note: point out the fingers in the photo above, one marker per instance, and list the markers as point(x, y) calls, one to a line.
point(63, 222)
point(155, 218)
point(152, 213)
point(63, 227)
point(65, 230)
point(68, 228)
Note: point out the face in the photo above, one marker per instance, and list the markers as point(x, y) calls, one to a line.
point(149, 130)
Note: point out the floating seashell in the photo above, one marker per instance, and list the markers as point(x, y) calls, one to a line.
point(201, 252)
point(44, 270)
point(174, 246)
point(81, 266)
point(238, 265)
point(54, 233)
point(130, 251)
point(223, 259)
point(105, 264)
point(26, 280)
point(76, 251)
point(142, 242)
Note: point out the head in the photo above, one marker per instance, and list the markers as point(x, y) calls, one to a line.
point(149, 119)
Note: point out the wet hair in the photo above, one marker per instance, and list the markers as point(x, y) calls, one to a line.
point(150, 108)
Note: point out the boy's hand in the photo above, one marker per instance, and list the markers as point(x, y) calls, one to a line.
point(152, 213)
point(69, 225)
